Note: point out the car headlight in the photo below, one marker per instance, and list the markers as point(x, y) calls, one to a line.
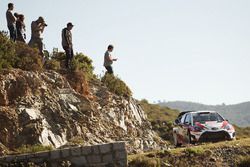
point(228, 127)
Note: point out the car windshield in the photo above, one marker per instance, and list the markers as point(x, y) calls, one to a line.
point(207, 116)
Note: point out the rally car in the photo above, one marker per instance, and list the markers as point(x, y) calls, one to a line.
point(201, 126)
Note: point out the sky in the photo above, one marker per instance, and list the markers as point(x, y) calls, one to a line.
point(191, 50)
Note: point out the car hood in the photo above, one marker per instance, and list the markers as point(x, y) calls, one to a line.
point(212, 125)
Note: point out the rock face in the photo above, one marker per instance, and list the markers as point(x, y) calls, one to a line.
point(42, 108)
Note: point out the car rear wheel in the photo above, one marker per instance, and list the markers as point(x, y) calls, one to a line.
point(176, 142)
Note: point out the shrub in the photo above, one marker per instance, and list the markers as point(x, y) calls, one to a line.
point(7, 51)
point(18, 55)
point(27, 58)
point(244, 161)
point(195, 150)
point(81, 62)
point(143, 161)
point(116, 85)
point(52, 65)
point(78, 82)
point(32, 149)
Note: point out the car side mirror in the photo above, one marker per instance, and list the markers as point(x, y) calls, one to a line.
point(176, 122)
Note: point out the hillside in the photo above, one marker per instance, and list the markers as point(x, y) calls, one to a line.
point(46, 105)
point(227, 154)
point(161, 118)
point(238, 114)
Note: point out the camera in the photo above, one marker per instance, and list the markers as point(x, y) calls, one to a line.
point(44, 24)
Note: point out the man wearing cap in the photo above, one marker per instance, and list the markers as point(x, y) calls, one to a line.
point(11, 21)
point(37, 28)
point(67, 44)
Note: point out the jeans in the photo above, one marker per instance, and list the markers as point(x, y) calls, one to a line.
point(69, 55)
point(109, 69)
point(12, 30)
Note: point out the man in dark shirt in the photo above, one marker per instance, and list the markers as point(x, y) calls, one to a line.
point(11, 21)
point(67, 43)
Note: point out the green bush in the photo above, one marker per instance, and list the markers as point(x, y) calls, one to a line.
point(32, 149)
point(18, 55)
point(116, 85)
point(7, 51)
point(27, 58)
point(52, 65)
point(143, 161)
point(81, 62)
point(161, 119)
point(195, 150)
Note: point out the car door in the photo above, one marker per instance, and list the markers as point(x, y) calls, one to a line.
point(185, 127)
point(181, 129)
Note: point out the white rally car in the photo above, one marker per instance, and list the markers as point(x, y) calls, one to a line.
point(201, 126)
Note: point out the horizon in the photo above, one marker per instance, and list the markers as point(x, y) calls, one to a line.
point(172, 50)
point(164, 101)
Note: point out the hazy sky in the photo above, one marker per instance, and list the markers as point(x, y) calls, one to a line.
point(193, 50)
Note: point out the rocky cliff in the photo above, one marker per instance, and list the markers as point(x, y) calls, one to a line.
point(43, 108)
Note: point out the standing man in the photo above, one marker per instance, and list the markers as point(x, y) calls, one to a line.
point(11, 21)
point(108, 60)
point(67, 44)
point(37, 28)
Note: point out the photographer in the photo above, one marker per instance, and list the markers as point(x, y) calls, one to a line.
point(20, 28)
point(37, 28)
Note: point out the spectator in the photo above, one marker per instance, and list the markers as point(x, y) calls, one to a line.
point(20, 28)
point(108, 60)
point(37, 28)
point(67, 44)
point(11, 21)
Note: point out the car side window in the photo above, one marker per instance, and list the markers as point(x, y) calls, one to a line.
point(187, 119)
point(183, 118)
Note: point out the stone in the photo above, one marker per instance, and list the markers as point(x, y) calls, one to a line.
point(95, 149)
point(86, 150)
point(78, 161)
point(76, 151)
point(119, 146)
point(55, 154)
point(41, 155)
point(107, 158)
point(122, 163)
point(65, 152)
point(92, 159)
point(120, 155)
point(105, 148)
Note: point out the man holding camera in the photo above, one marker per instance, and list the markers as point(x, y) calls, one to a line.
point(37, 28)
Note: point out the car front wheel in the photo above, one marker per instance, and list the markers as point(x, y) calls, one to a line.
point(190, 141)
point(176, 142)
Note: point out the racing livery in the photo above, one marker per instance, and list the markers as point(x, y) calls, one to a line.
point(201, 126)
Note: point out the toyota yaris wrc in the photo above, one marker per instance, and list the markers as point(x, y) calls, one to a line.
point(201, 126)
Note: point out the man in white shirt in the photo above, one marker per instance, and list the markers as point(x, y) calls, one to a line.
point(108, 60)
